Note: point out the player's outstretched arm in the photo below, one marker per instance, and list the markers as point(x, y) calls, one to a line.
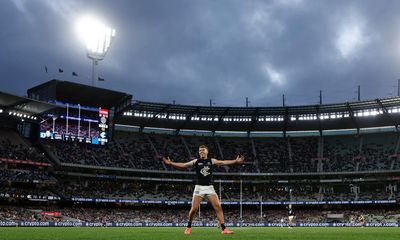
point(177, 165)
point(239, 160)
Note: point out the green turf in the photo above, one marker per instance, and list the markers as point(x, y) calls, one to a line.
point(164, 233)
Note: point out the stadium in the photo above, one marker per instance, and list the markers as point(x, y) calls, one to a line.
point(129, 150)
point(334, 163)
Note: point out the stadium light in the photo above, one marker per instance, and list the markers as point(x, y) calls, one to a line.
point(97, 38)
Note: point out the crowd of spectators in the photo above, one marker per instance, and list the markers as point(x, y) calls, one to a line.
point(13, 147)
point(143, 151)
point(263, 155)
point(360, 153)
point(179, 215)
point(21, 175)
point(271, 155)
point(226, 191)
point(124, 190)
point(126, 152)
point(18, 214)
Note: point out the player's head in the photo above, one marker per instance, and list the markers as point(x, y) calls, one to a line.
point(290, 205)
point(203, 151)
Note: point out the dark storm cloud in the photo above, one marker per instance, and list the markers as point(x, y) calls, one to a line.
point(191, 51)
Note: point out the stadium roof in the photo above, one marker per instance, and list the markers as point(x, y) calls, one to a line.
point(75, 93)
point(13, 103)
point(254, 118)
point(261, 111)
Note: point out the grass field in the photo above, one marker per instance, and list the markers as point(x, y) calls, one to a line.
point(46, 233)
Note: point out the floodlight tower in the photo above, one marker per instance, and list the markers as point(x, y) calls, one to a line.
point(98, 38)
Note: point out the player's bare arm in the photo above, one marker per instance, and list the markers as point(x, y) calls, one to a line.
point(239, 160)
point(177, 165)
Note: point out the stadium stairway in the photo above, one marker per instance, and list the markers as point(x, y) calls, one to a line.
point(155, 150)
point(48, 152)
point(186, 147)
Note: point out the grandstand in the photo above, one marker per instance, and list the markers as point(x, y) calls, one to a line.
point(333, 162)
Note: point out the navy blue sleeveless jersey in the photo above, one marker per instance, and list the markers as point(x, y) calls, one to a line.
point(290, 211)
point(204, 170)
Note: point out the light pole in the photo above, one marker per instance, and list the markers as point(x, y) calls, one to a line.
point(97, 38)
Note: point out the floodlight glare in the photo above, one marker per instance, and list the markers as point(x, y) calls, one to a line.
point(97, 38)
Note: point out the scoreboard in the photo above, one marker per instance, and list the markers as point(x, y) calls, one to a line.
point(83, 125)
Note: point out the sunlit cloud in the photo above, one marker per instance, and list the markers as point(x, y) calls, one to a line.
point(274, 81)
point(274, 76)
point(351, 37)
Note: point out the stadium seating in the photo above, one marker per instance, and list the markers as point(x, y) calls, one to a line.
point(141, 151)
point(18, 175)
point(265, 155)
point(14, 147)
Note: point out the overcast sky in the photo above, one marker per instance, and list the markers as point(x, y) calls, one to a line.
point(191, 51)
